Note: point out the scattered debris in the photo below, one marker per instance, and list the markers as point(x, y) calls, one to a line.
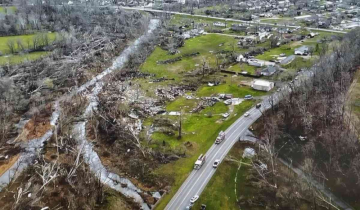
point(248, 153)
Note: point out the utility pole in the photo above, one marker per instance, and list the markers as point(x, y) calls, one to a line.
point(179, 137)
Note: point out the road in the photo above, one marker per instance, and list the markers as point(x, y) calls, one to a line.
point(198, 179)
point(229, 19)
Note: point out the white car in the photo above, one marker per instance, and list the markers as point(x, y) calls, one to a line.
point(194, 199)
point(225, 115)
point(216, 163)
point(247, 114)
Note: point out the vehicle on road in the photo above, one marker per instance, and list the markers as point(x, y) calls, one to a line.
point(258, 105)
point(220, 138)
point(194, 199)
point(199, 162)
point(248, 97)
point(188, 207)
point(247, 114)
point(216, 163)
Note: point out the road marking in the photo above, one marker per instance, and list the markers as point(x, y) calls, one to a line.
point(212, 159)
point(222, 157)
point(187, 181)
point(252, 110)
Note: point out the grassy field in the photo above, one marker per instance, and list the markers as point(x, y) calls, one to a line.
point(206, 45)
point(238, 92)
point(7, 10)
point(275, 52)
point(243, 67)
point(27, 41)
point(299, 63)
point(16, 59)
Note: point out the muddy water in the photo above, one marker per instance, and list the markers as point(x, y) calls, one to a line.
point(30, 151)
point(112, 180)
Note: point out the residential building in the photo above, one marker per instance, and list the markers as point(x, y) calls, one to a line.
point(262, 85)
point(268, 71)
point(303, 50)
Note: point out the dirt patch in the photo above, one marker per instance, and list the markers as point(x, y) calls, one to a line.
point(37, 126)
point(5, 165)
point(141, 186)
point(37, 129)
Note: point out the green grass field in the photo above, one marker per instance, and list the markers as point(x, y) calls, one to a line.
point(202, 44)
point(299, 63)
point(244, 67)
point(7, 10)
point(275, 52)
point(238, 92)
point(27, 41)
point(16, 59)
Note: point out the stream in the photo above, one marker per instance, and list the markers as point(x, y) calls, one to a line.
point(91, 157)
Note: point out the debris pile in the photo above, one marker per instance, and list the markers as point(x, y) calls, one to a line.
point(172, 92)
point(205, 102)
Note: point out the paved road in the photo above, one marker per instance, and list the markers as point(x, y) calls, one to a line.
point(198, 179)
point(229, 19)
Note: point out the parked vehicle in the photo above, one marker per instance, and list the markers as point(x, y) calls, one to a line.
point(258, 105)
point(247, 114)
point(248, 97)
point(194, 199)
point(216, 163)
point(220, 137)
point(199, 162)
point(225, 115)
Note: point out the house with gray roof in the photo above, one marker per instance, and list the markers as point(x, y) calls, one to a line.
point(303, 50)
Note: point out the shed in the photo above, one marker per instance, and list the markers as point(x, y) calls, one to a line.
point(262, 85)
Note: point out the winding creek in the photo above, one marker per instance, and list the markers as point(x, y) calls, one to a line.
point(120, 184)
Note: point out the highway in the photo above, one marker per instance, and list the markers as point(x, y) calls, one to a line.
point(198, 179)
point(229, 19)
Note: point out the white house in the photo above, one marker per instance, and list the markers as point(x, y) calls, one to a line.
point(241, 58)
point(219, 24)
point(262, 85)
point(303, 50)
point(253, 62)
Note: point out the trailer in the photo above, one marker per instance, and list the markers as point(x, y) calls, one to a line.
point(199, 162)
point(220, 138)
